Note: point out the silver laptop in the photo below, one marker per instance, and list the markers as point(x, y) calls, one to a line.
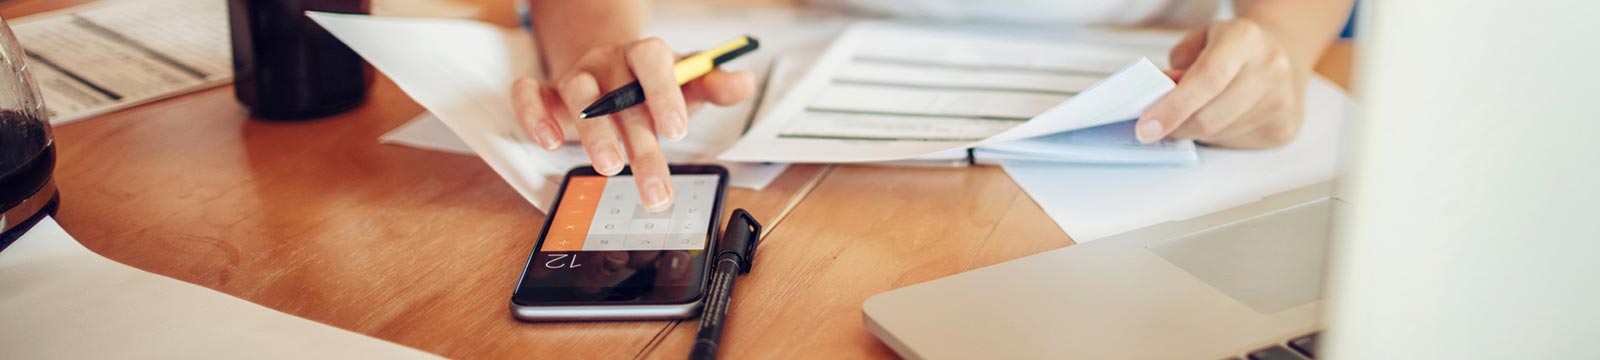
point(1468, 227)
point(1213, 287)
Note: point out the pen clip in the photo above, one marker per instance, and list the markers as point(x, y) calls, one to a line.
point(740, 239)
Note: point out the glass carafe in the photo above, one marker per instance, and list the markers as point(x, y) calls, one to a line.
point(27, 151)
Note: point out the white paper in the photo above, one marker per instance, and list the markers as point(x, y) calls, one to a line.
point(58, 300)
point(427, 132)
point(1092, 202)
point(462, 71)
point(885, 92)
point(98, 58)
point(1109, 144)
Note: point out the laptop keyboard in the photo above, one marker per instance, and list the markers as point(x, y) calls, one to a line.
point(1304, 347)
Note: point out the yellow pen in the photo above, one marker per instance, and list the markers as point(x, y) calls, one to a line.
point(686, 70)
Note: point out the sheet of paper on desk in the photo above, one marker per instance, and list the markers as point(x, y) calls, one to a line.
point(427, 132)
point(461, 69)
point(461, 72)
point(58, 300)
point(1092, 202)
point(101, 57)
point(885, 92)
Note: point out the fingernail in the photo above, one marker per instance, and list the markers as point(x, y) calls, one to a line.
point(655, 196)
point(674, 126)
point(547, 136)
point(607, 159)
point(1149, 131)
point(615, 260)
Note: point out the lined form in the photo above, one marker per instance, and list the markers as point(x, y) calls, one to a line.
point(103, 57)
point(885, 92)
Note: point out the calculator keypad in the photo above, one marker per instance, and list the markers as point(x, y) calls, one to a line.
point(605, 215)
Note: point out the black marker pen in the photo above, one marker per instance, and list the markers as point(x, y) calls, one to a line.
point(736, 252)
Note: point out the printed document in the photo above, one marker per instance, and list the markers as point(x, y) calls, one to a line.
point(886, 92)
point(107, 56)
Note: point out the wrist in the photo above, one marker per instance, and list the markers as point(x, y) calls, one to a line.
point(565, 30)
point(1299, 60)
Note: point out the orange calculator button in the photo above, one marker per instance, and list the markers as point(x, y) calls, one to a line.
point(574, 214)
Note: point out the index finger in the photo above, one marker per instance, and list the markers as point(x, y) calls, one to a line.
point(1218, 64)
point(650, 171)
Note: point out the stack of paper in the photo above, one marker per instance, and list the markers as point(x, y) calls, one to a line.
point(886, 92)
point(890, 92)
point(1054, 111)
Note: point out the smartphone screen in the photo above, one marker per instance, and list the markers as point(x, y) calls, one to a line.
point(602, 247)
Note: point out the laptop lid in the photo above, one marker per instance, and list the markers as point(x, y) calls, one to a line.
point(1474, 223)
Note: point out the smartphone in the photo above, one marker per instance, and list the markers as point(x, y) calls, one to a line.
point(602, 256)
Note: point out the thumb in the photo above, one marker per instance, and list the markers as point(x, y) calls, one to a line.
point(720, 87)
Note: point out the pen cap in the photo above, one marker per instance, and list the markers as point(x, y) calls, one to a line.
point(740, 238)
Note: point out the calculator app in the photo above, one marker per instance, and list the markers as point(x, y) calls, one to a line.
point(599, 213)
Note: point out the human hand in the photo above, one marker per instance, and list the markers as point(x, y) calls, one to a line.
point(542, 107)
point(1236, 88)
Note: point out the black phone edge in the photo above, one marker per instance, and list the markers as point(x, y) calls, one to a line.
point(586, 170)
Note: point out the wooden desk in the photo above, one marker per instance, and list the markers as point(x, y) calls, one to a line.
point(421, 248)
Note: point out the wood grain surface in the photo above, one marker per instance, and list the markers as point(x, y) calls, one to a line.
point(422, 248)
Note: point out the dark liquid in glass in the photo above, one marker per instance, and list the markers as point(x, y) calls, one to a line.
point(27, 157)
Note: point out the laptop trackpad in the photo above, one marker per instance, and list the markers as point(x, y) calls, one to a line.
point(1270, 262)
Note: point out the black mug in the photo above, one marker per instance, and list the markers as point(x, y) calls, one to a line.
point(286, 67)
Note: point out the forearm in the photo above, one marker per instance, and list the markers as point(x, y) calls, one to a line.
point(1303, 28)
point(566, 28)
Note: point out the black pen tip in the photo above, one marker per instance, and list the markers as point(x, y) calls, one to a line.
point(583, 115)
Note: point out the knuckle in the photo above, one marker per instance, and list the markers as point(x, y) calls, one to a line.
point(1276, 103)
point(665, 101)
point(1206, 124)
point(1280, 135)
point(1277, 60)
point(1282, 131)
point(645, 155)
point(633, 115)
point(1242, 28)
point(1180, 104)
point(1286, 103)
point(594, 144)
point(653, 43)
point(645, 49)
point(1278, 73)
point(667, 91)
point(597, 52)
point(1206, 80)
point(575, 82)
